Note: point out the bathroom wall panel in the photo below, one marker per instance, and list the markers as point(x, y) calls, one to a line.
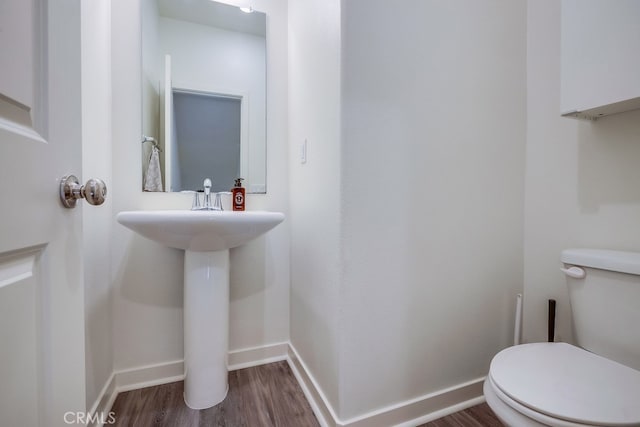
point(433, 133)
point(314, 86)
point(407, 215)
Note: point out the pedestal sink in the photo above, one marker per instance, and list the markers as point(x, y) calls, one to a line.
point(206, 237)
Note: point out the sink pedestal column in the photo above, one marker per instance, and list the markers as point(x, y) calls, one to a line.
point(206, 327)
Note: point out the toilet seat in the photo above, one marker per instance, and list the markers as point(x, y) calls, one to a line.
point(520, 415)
point(560, 384)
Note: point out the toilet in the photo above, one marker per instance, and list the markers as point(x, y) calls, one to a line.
point(595, 384)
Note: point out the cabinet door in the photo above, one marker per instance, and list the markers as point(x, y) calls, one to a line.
point(600, 60)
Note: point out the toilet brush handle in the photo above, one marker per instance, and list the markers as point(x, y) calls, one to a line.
point(551, 326)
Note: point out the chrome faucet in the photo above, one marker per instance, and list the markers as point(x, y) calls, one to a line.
point(207, 194)
point(206, 205)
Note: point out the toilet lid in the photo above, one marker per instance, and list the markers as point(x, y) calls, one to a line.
point(569, 383)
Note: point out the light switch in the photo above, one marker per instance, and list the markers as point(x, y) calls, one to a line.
point(303, 152)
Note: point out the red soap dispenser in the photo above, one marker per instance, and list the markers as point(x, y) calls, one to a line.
point(238, 195)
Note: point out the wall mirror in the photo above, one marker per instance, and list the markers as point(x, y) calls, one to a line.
point(203, 95)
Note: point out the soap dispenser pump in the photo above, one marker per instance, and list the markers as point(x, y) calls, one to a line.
point(238, 195)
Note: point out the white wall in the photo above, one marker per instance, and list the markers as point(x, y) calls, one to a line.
point(407, 225)
point(432, 193)
point(581, 179)
point(314, 114)
point(147, 277)
point(96, 163)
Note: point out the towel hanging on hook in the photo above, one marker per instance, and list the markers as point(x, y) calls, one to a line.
point(153, 176)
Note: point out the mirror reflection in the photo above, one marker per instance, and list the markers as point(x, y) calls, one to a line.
point(203, 96)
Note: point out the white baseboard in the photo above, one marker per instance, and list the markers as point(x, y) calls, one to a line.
point(409, 413)
point(104, 402)
point(312, 391)
point(255, 356)
point(150, 375)
point(443, 412)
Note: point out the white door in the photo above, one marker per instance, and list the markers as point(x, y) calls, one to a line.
point(42, 366)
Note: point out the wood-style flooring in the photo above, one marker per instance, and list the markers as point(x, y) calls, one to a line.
point(266, 395)
point(476, 416)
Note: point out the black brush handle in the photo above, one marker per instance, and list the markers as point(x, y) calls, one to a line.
point(551, 331)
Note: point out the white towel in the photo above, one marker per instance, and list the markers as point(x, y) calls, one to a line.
point(153, 177)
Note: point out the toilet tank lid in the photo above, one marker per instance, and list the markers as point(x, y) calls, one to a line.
point(603, 259)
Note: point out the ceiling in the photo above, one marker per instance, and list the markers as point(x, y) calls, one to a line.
point(215, 14)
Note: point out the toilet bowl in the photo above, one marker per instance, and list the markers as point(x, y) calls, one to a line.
point(557, 384)
point(596, 383)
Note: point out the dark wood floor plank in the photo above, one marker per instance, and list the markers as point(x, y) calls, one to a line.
point(267, 395)
point(476, 416)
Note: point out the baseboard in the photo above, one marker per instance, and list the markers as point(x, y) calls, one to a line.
point(425, 408)
point(255, 356)
point(312, 391)
point(104, 402)
point(148, 376)
point(409, 413)
point(443, 412)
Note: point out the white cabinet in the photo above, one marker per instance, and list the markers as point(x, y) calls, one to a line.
point(600, 57)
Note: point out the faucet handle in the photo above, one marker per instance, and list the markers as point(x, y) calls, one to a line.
point(217, 203)
point(196, 201)
point(207, 193)
point(207, 186)
point(195, 205)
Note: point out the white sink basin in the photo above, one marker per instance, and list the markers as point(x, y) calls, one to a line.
point(200, 231)
point(206, 237)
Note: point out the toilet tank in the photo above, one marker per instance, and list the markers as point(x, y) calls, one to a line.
point(605, 304)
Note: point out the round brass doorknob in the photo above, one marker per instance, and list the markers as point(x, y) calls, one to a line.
point(94, 191)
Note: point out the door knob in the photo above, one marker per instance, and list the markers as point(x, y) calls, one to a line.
point(94, 191)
